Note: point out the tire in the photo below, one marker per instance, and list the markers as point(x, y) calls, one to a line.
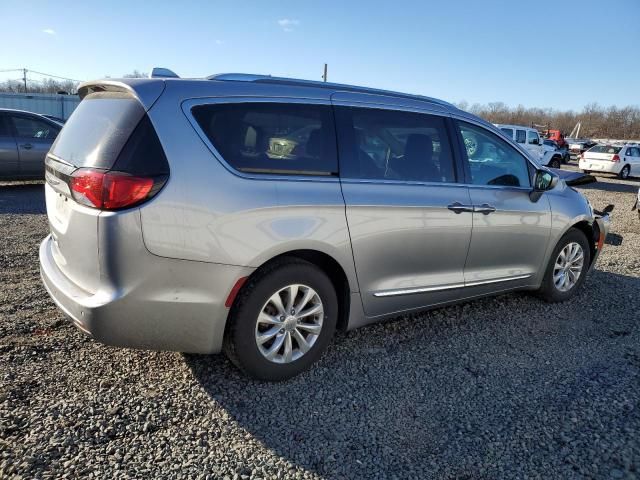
point(624, 173)
point(241, 342)
point(555, 163)
point(548, 290)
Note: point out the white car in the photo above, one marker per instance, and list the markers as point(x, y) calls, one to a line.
point(621, 160)
point(530, 140)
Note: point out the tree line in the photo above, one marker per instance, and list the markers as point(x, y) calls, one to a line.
point(51, 85)
point(597, 121)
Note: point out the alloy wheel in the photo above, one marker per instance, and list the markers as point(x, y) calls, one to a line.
point(568, 267)
point(289, 323)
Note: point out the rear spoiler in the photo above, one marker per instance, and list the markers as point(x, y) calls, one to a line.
point(146, 90)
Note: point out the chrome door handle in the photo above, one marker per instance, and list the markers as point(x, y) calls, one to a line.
point(458, 207)
point(26, 146)
point(485, 209)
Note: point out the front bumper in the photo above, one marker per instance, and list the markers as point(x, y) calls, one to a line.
point(602, 223)
point(171, 305)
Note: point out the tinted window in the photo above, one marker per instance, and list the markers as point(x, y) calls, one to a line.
point(533, 137)
point(29, 127)
point(521, 136)
point(508, 131)
point(98, 129)
point(493, 161)
point(392, 145)
point(272, 137)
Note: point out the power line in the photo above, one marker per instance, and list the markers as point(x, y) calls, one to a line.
point(55, 76)
point(26, 70)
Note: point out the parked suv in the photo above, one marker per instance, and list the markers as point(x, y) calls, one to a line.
point(256, 215)
point(529, 138)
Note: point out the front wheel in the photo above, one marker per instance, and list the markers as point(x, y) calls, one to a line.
point(624, 173)
point(555, 163)
point(282, 320)
point(567, 268)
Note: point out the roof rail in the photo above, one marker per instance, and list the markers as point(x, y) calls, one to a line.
point(248, 77)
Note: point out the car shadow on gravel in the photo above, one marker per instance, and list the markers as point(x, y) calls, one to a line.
point(445, 393)
point(22, 198)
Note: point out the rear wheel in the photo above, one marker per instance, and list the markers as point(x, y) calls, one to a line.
point(624, 173)
point(567, 268)
point(282, 320)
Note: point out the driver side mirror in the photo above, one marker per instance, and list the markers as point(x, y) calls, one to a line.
point(543, 181)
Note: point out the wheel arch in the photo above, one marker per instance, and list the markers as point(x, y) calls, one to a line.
point(592, 232)
point(330, 266)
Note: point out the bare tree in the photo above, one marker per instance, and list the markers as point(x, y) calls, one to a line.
point(597, 121)
point(135, 74)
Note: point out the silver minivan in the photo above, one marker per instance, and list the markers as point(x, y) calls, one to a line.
point(256, 215)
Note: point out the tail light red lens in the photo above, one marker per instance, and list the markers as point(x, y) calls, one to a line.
point(615, 158)
point(111, 190)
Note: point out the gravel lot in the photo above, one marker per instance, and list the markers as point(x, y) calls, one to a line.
point(507, 387)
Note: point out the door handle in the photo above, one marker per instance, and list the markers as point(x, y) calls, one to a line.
point(485, 209)
point(26, 146)
point(458, 207)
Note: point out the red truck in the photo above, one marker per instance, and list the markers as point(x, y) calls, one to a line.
point(556, 136)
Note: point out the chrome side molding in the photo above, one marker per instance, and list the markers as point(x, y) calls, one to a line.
point(410, 291)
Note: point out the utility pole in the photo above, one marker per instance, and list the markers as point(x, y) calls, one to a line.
point(24, 79)
point(324, 76)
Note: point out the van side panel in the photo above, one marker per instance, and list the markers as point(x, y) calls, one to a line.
point(208, 213)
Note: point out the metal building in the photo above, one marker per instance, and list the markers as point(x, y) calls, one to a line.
point(59, 106)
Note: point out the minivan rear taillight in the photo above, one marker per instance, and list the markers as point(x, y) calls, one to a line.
point(615, 158)
point(109, 190)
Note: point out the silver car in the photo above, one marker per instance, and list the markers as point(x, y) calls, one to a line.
point(256, 215)
point(25, 139)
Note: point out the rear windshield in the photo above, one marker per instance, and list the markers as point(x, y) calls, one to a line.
point(98, 129)
point(605, 149)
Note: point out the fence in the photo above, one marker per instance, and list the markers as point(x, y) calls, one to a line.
point(59, 106)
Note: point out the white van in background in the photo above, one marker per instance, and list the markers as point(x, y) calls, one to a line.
point(530, 139)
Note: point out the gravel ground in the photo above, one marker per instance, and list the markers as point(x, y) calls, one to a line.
point(506, 387)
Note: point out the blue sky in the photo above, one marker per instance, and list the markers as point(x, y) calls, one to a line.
point(559, 54)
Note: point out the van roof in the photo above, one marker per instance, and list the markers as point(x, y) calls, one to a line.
point(138, 84)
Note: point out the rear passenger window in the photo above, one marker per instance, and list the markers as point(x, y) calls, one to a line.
point(27, 127)
point(521, 136)
point(277, 138)
point(393, 145)
point(508, 132)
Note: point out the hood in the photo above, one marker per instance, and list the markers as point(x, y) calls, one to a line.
point(574, 178)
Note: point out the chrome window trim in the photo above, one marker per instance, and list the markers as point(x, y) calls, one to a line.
point(410, 291)
point(188, 104)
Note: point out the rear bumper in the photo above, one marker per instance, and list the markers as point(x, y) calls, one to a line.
point(600, 166)
point(172, 305)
